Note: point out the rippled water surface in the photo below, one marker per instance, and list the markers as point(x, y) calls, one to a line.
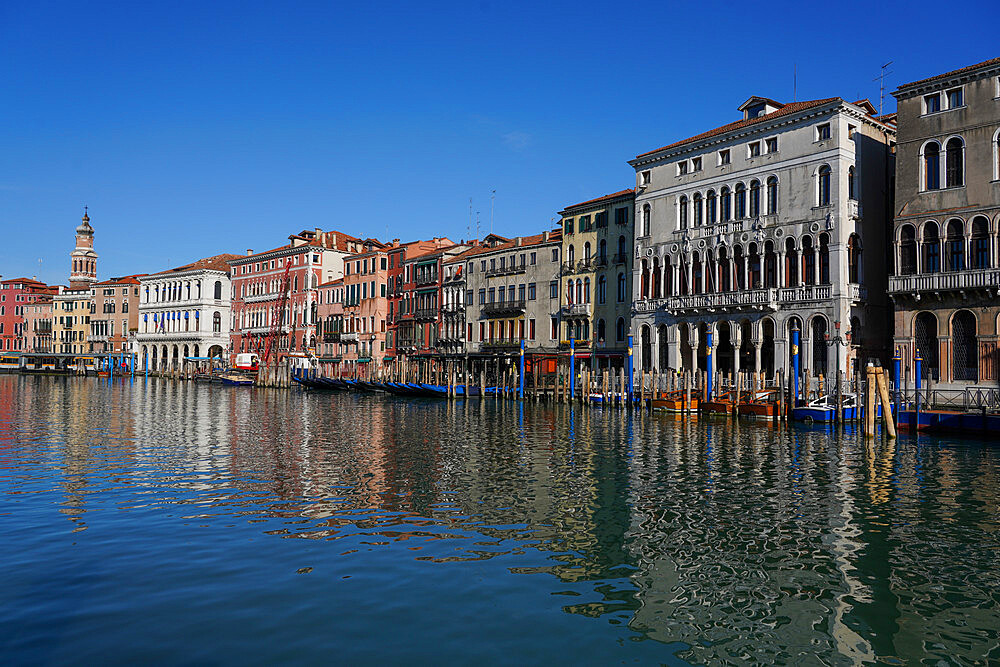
point(165, 522)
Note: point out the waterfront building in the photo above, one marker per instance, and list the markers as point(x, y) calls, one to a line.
point(946, 280)
point(37, 327)
point(365, 306)
point(330, 327)
point(452, 337)
point(115, 321)
point(72, 309)
point(596, 296)
point(512, 294)
point(311, 257)
point(16, 295)
point(772, 224)
point(397, 276)
point(184, 312)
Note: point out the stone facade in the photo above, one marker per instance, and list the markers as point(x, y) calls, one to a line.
point(946, 282)
point(115, 321)
point(184, 312)
point(771, 223)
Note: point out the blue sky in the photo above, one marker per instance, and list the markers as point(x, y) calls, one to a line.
point(195, 128)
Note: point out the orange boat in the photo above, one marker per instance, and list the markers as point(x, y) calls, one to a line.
point(674, 402)
point(762, 405)
point(721, 406)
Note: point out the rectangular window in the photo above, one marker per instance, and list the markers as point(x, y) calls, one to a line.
point(696, 164)
point(482, 295)
point(568, 225)
point(644, 178)
point(482, 265)
point(932, 103)
point(468, 296)
point(520, 292)
point(531, 291)
point(482, 330)
point(851, 129)
point(823, 132)
point(724, 157)
point(753, 149)
point(771, 145)
point(553, 328)
point(555, 254)
point(492, 294)
point(531, 329)
point(955, 98)
point(585, 223)
point(621, 216)
point(533, 258)
point(682, 168)
point(554, 289)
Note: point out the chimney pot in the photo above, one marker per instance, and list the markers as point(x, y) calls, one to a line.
point(517, 242)
point(249, 251)
point(545, 235)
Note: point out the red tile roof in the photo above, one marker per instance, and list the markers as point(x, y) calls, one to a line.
point(214, 263)
point(985, 63)
point(31, 281)
point(786, 110)
point(332, 282)
point(591, 202)
point(555, 236)
point(124, 280)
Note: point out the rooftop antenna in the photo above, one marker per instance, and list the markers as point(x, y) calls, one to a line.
point(470, 219)
point(477, 224)
point(881, 84)
point(493, 196)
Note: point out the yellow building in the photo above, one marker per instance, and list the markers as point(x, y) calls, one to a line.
point(71, 312)
point(595, 299)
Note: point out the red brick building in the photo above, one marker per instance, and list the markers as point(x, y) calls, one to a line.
point(312, 257)
point(15, 295)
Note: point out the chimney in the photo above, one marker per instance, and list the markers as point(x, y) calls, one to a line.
point(249, 251)
point(517, 242)
point(545, 236)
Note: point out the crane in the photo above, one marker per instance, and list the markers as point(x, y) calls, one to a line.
point(279, 311)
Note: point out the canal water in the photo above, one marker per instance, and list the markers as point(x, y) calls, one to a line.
point(170, 522)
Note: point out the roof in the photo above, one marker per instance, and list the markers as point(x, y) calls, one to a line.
point(555, 236)
point(785, 110)
point(591, 202)
point(213, 263)
point(333, 240)
point(31, 281)
point(963, 70)
point(124, 280)
point(331, 283)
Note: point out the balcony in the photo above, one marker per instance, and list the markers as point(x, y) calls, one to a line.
point(576, 310)
point(506, 270)
point(425, 279)
point(502, 308)
point(804, 293)
point(958, 281)
point(257, 298)
point(425, 314)
point(449, 341)
point(620, 258)
point(351, 337)
point(332, 337)
point(502, 345)
point(97, 338)
point(569, 267)
point(580, 344)
point(453, 309)
point(585, 264)
point(601, 260)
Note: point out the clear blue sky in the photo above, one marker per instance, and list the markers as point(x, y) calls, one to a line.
point(194, 128)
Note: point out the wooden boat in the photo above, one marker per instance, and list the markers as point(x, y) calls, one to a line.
point(761, 405)
point(823, 409)
point(237, 380)
point(675, 402)
point(721, 405)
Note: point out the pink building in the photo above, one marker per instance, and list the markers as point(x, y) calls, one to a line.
point(365, 307)
point(15, 295)
point(330, 326)
point(312, 257)
point(37, 329)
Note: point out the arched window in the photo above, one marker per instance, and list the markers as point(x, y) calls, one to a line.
point(932, 166)
point(851, 187)
point(808, 261)
point(710, 210)
point(586, 290)
point(602, 251)
point(754, 198)
point(600, 331)
point(646, 215)
point(216, 322)
point(823, 189)
point(996, 156)
point(791, 264)
point(854, 258)
point(586, 251)
point(697, 209)
point(964, 347)
point(725, 205)
point(772, 195)
point(907, 250)
point(622, 249)
point(741, 201)
point(955, 245)
point(954, 163)
point(218, 290)
point(682, 212)
point(622, 292)
point(980, 251)
point(571, 255)
point(931, 249)
point(819, 347)
point(824, 259)
point(569, 292)
point(620, 329)
point(602, 289)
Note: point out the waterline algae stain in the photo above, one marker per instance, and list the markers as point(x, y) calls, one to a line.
point(177, 522)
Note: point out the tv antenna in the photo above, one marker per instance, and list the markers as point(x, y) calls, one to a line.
point(881, 84)
point(493, 197)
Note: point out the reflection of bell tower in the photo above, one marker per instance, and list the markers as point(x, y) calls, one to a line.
point(84, 271)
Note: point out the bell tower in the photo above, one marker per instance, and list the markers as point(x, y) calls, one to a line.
point(83, 272)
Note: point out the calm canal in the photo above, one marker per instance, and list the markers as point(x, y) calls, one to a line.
point(180, 523)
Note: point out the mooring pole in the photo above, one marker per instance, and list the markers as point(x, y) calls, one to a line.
point(572, 369)
point(708, 358)
point(897, 362)
point(917, 362)
point(795, 364)
point(520, 373)
point(631, 373)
